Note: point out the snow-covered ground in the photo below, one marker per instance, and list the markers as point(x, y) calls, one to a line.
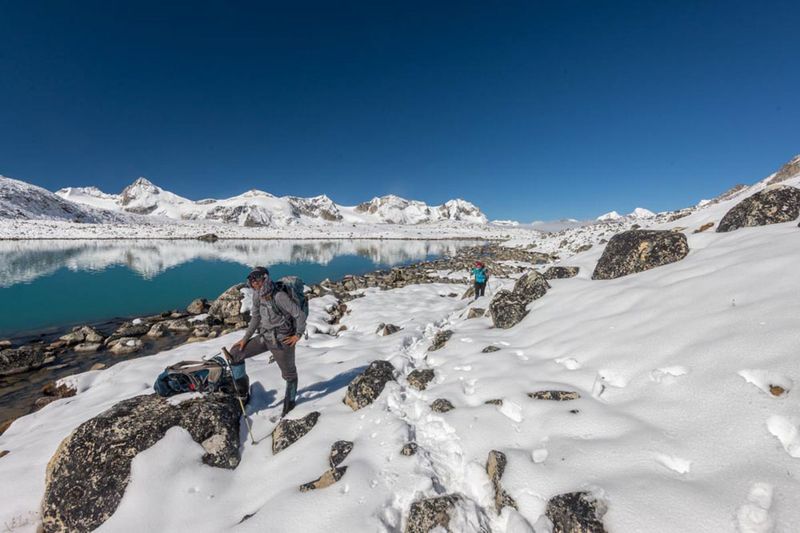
point(676, 427)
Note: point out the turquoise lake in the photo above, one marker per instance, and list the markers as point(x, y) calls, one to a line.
point(53, 284)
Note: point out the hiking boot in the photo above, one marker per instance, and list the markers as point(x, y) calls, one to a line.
point(289, 397)
point(242, 388)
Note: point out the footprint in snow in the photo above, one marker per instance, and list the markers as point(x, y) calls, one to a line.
point(772, 383)
point(466, 339)
point(569, 363)
point(667, 374)
point(469, 386)
point(676, 464)
point(787, 432)
point(521, 355)
point(753, 516)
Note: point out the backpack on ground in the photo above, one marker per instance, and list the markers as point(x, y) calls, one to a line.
point(294, 288)
point(194, 376)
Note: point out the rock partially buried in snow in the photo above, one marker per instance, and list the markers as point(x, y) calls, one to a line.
point(554, 395)
point(325, 480)
point(635, 251)
point(441, 405)
point(576, 512)
point(435, 514)
point(531, 286)
point(561, 272)
point(508, 309)
point(409, 449)
point(475, 312)
point(368, 385)
point(440, 339)
point(770, 206)
point(495, 467)
point(387, 329)
point(287, 432)
point(90, 470)
point(490, 349)
point(420, 378)
point(339, 452)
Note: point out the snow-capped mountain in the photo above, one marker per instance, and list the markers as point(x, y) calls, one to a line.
point(259, 208)
point(639, 212)
point(23, 201)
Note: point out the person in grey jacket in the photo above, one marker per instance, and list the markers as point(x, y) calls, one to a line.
point(279, 322)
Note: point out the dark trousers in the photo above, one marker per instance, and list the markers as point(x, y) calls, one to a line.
point(284, 355)
point(480, 289)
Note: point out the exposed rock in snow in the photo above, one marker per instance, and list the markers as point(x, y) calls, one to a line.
point(395, 210)
point(441, 514)
point(531, 286)
point(771, 206)
point(368, 385)
point(495, 467)
point(288, 431)
point(420, 378)
point(440, 339)
point(635, 251)
point(790, 170)
point(561, 272)
point(576, 512)
point(554, 395)
point(508, 309)
point(442, 405)
point(88, 474)
point(387, 329)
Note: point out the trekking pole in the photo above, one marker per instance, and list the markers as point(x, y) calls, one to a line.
point(225, 355)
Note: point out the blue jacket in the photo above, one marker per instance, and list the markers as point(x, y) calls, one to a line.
point(480, 274)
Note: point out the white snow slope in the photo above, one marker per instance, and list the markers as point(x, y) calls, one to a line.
point(675, 428)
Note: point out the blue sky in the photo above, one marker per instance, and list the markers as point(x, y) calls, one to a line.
point(532, 110)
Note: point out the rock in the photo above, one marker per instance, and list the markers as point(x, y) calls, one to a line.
point(131, 330)
point(58, 390)
point(5, 344)
point(87, 347)
point(701, 229)
point(367, 386)
point(387, 329)
point(495, 467)
point(157, 330)
point(90, 470)
point(22, 359)
point(561, 272)
point(475, 312)
point(508, 309)
point(635, 251)
point(409, 449)
point(496, 401)
point(770, 206)
point(532, 286)
point(82, 334)
point(228, 306)
point(126, 345)
point(325, 480)
point(197, 307)
point(435, 514)
point(440, 339)
point(469, 293)
point(554, 395)
point(288, 431)
point(440, 405)
point(420, 378)
point(576, 512)
point(339, 452)
point(6, 424)
point(490, 349)
point(97, 366)
point(180, 325)
point(208, 237)
point(776, 390)
point(3, 453)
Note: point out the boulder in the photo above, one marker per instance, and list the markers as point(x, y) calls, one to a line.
point(367, 386)
point(441, 405)
point(420, 378)
point(475, 312)
point(208, 237)
point(288, 431)
point(197, 307)
point(531, 286)
point(495, 467)
point(131, 330)
point(508, 309)
point(576, 512)
point(440, 339)
point(561, 272)
point(157, 330)
point(82, 334)
point(228, 306)
point(179, 325)
point(431, 514)
point(87, 347)
point(387, 329)
point(339, 452)
point(554, 395)
point(770, 206)
point(635, 251)
point(126, 345)
point(409, 449)
point(22, 359)
point(325, 480)
point(87, 476)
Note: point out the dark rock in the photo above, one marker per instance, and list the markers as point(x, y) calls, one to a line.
point(287, 432)
point(496, 401)
point(368, 385)
point(554, 395)
point(197, 307)
point(22, 359)
point(387, 329)
point(339, 452)
point(87, 476)
point(432, 513)
point(420, 378)
point(701, 229)
point(532, 286)
point(770, 206)
point(635, 251)
point(325, 480)
point(409, 449)
point(5, 425)
point(208, 237)
point(490, 349)
point(495, 467)
point(576, 512)
point(441, 405)
point(440, 339)
point(561, 272)
point(584, 248)
point(3, 453)
point(475, 312)
point(508, 309)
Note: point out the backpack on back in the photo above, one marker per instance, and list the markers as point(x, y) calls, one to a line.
point(294, 288)
point(194, 376)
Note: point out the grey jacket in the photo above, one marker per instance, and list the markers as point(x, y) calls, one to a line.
point(271, 321)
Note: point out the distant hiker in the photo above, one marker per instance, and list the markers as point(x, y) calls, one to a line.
point(481, 275)
point(280, 320)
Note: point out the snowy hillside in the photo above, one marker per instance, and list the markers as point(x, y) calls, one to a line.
point(685, 417)
point(256, 208)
